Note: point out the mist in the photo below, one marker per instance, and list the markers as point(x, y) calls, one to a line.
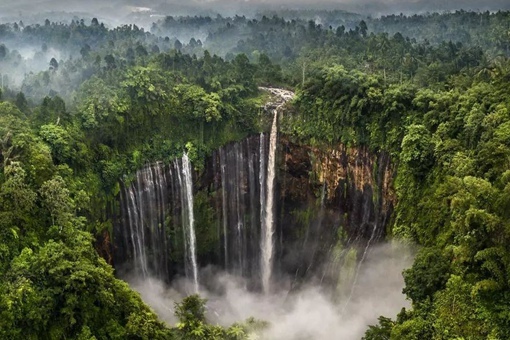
point(144, 12)
point(311, 312)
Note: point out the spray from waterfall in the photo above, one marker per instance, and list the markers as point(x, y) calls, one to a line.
point(364, 255)
point(268, 224)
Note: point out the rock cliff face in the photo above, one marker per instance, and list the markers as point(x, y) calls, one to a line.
point(331, 199)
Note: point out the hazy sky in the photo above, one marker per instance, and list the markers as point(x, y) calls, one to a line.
point(120, 8)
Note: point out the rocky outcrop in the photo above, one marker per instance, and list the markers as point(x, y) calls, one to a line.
point(331, 196)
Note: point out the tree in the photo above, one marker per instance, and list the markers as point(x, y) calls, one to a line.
point(60, 142)
point(382, 331)
point(3, 51)
point(63, 289)
point(141, 51)
point(85, 51)
point(192, 323)
point(53, 64)
point(21, 102)
point(363, 28)
point(417, 150)
point(191, 309)
point(428, 275)
point(110, 62)
point(177, 45)
point(16, 188)
point(56, 199)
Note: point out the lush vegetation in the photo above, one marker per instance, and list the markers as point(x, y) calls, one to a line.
point(62, 156)
point(449, 138)
point(452, 149)
point(110, 100)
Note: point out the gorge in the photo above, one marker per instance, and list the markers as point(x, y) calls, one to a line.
point(271, 215)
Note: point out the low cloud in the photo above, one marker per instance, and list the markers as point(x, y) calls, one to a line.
point(119, 10)
point(312, 312)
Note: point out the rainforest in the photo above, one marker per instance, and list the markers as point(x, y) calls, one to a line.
point(285, 171)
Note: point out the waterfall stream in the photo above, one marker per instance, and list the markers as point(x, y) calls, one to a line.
point(190, 219)
point(267, 242)
point(156, 190)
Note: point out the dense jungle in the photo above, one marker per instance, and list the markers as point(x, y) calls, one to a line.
point(288, 174)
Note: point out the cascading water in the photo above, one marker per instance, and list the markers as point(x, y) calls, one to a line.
point(365, 222)
point(155, 235)
point(143, 202)
point(189, 219)
point(262, 180)
point(224, 205)
point(246, 182)
point(146, 245)
point(267, 242)
point(239, 221)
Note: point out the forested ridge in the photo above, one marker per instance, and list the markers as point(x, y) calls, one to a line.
point(107, 101)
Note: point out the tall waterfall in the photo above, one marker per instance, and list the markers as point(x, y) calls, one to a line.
point(143, 202)
point(154, 206)
point(267, 242)
point(238, 181)
point(189, 219)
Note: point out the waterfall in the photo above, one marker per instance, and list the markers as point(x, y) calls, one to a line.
point(239, 206)
point(143, 203)
point(189, 218)
point(155, 235)
point(365, 222)
point(155, 232)
point(267, 243)
point(252, 235)
point(137, 235)
point(262, 179)
point(223, 166)
point(144, 238)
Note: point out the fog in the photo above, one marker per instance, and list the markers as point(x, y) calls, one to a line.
point(27, 60)
point(143, 12)
point(311, 312)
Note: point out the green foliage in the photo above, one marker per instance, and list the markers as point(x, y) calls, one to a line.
point(60, 142)
point(415, 328)
point(205, 224)
point(127, 97)
point(64, 289)
point(428, 275)
point(190, 309)
point(417, 151)
point(192, 323)
point(382, 331)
